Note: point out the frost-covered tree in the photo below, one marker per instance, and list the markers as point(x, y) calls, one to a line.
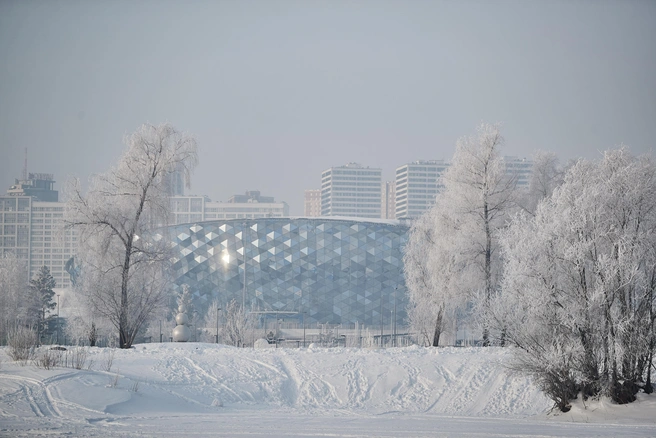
point(425, 320)
point(41, 287)
point(122, 257)
point(578, 296)
point(546, 175)
point(211, 320)
point(15, 297)
point(238, 327)
point(474, 205)
point(82, 319)
point(430, 266)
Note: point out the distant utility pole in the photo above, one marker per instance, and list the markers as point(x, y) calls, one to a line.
point(381, 321)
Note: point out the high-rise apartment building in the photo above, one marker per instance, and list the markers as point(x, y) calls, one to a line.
point(251, 205)
point(312, 203)
point(417, 184)
point(351, 190)
point(388, 199)
point(31, 227)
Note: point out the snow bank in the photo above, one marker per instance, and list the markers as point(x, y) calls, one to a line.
point(165, 381)
point(464, 381)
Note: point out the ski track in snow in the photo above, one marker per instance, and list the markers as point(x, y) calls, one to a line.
point(37, 394)
point(210, 381)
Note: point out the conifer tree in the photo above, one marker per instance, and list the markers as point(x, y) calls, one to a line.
point(42, 285)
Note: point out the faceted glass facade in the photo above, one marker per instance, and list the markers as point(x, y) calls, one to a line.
point(335, 271)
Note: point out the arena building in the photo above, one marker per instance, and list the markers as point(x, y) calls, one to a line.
point(332, 270)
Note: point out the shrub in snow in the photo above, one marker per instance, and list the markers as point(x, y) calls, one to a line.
point(48, 358)
point(238, 327)
point(78, 357)
point(262, 343)
point(108, 359)
point(22, 344)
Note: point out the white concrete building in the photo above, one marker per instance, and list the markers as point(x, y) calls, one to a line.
point(312, 205)
point(417, 184)
point(388, 199)
point(351, 190)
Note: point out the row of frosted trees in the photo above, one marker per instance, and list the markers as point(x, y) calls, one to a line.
point(28, 304)
point(564, 270)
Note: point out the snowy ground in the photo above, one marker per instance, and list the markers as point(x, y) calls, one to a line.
point(211, 390)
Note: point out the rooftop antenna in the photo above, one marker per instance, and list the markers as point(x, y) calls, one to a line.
point(25, 166)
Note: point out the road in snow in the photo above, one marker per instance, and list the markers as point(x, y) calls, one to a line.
point(212, 390)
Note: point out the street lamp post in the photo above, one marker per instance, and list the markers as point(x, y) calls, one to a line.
point(392, 328)
point(381, 322)
point(243, 291)
point(394, 343)
point(303, 329)
point(57, 319)
point(243, 245)
point(277, 330)
point(218, 309)
point(226, 261)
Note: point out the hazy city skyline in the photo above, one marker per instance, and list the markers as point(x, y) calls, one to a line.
point(278, 91)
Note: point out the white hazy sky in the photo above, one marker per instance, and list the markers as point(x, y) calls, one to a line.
point(277, 91)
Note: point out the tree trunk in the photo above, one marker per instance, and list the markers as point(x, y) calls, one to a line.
point(488, 265)
point(123, 329)
point(126, 333)
point(438, 328)
point(648, 386)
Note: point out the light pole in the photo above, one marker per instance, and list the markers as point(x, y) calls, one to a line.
point(218, 309)
point(278, 330)
point(394, 319)
point(394, 330)
point(303, 329)
point(57, 319)
point(243, 245)
point(243, 291)
point(226, 261)
point(381, 322)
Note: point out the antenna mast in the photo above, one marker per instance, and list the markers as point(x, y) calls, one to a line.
point(25, 166)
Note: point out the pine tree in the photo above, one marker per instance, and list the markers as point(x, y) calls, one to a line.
point(93, 335)
point(42, 285)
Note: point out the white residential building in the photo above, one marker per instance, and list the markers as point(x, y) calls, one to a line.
point(388, 199)
point(351, 190)
point(417, 184)
point(312, 206)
